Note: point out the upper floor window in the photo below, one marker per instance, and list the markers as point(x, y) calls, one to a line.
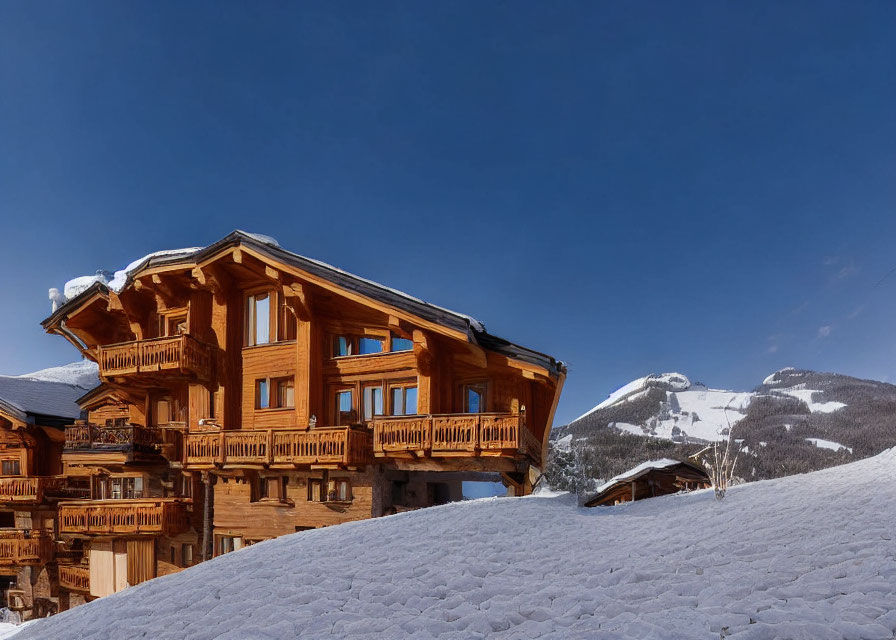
point(258, 321)
point(404, 400)
point(372, 401)
point(474, 398)
point(119, 488)
point(401, 344)
point(345, 407)
point(275, 393)
point(357, 345)
point(11, 468)
point(173, 323)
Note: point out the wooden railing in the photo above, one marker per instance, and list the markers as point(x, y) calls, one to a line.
point(455, 434)
point(339, 445)
point(23, 548)
point(183, 353)
point(74, 577)
point(38, 488)
point(154, 516)
point(91, 436)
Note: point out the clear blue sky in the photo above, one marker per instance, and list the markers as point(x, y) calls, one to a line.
point(631, 187)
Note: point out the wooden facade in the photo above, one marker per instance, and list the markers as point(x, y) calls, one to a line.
point(650, 481)
point(247, 392)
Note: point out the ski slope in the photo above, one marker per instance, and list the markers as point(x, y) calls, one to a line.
point(804, 557)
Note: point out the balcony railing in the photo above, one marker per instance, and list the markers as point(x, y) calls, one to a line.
point(153, 516)
point(36, 489)
point(483, 434)
point(183, 354)
point(339, 445)
point(123, 438)
point(19, 548)
point(74, 577)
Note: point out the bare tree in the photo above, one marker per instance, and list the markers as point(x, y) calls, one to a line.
point(721, 460)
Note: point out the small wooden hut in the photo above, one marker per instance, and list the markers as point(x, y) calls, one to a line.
point(648, 480)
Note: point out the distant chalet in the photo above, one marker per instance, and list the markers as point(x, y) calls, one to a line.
point(648, 480)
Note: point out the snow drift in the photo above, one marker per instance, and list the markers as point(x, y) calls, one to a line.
point(809, 556)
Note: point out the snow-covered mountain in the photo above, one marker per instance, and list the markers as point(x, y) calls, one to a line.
point(807, 556)
point(795, 420)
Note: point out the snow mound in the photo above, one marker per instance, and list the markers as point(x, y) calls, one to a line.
point(808, 556)
point(83, 374)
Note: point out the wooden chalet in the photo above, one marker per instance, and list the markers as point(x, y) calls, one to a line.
point(33, 415)
point(648, 480)
point(248, 392)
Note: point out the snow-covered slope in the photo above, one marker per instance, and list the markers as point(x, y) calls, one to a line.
point(811, 556)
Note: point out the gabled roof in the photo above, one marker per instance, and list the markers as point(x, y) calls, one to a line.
point(26, 398)
point(666, 465)
point(266, 247)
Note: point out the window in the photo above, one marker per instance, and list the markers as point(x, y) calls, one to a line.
point(370, 345)
point(372, 402)
point(226, 544)
point(342, 346)
point(474, 398)
point(286, 328)
point(186, 554)
point(316, 490)
point(275, 393)
point(357, 345)
point(286, 393)
point(123, 488)
point(186, 488)
point(345, 407)
point(258, 321)
point(401, 344)
point(262, 394)
point(340, 490)
point(404, 401)
point(11, 468)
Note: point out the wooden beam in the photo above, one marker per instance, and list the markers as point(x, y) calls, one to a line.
point(271, 273)
point(296, 299)
point(237, 255)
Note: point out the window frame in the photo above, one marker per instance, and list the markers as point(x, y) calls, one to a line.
point(403, 386)
point(272, 393)
point(481, 387)
point(250, 317)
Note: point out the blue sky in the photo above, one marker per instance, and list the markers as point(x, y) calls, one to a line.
point(631, 187)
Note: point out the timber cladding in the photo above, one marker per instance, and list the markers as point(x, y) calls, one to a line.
point(267, 362)
point(236, 514)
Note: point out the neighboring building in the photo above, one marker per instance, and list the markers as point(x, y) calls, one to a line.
point(648, 480)
point(33, 415)
point(248, 392)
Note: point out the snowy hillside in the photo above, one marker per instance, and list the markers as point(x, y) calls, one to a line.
point(808, 556)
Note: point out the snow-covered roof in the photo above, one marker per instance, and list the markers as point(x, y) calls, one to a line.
point(680, 567)
point(269, 247)
point(636, 472)
point(24, 398)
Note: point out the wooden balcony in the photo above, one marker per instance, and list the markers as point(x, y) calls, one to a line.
point(339, 446)
point(179, 355)
point(81, 437)
point(74, 577)
point(39, 489)
point(450, 435)
point(146, 516)
point(20, 548)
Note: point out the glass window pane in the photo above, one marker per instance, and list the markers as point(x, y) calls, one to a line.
point(397, 401)
point(262, 319)
point(345, 400)
point(342, 346)
point(262, 395)
point(401, 344)
point(474, 400)
point(373, 402)
point(410, 401)
point(370, 345)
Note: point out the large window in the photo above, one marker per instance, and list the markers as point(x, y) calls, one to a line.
point(258, 319)
point(403, 400)
point(119, 488)
point(226, 544)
